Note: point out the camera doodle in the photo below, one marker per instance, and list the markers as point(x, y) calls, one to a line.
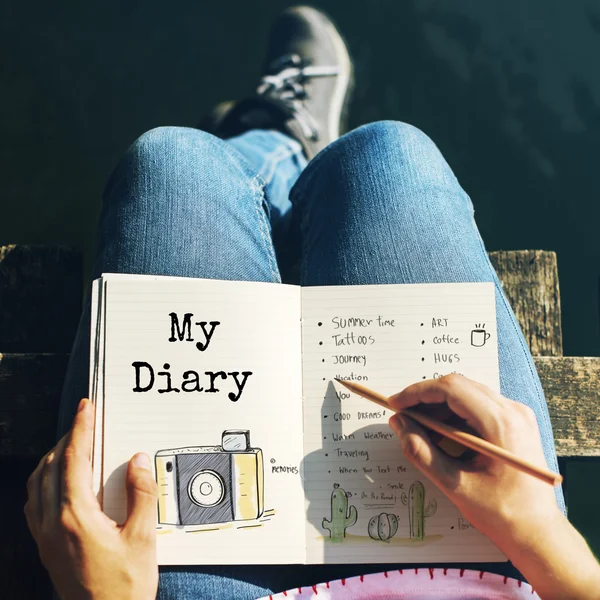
point(211, 484)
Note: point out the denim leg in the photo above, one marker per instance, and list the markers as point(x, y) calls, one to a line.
point(182, 202)
point(381, 205)
point(278, 160)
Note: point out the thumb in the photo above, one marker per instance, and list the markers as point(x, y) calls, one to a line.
point(422, 452)
point(141, 499)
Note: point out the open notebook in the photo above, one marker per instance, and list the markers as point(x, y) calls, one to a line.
point(260, 457)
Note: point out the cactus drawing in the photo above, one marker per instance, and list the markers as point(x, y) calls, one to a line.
point(417, 513)
point(383, 527)
point(341, 516)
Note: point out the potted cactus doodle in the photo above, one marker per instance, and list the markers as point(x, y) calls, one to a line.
point(383, 527)
point(341, 516)
point(417, 513)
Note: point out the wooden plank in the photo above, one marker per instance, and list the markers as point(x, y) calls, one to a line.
point(40, 298)
point(530, 282)
point(571, 386)
point(30, 389)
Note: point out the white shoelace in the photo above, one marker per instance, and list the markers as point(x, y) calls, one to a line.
point(286, 88)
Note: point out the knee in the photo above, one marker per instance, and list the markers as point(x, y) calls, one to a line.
point(163, 147)
point(394, 136)
point(170, 160)
point(400, 149)
point(386, 149)
point(381, 166)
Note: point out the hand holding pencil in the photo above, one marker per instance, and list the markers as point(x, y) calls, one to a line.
point(492, 494)
point(456, 442)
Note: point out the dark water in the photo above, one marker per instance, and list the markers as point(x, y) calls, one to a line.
point(510, 92)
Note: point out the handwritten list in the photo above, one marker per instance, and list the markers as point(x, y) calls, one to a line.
point(363, 498)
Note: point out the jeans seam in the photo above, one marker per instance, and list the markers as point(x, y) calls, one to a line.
point(303, 217)
point(308, 173)
point(257, 184)
point(274, 161)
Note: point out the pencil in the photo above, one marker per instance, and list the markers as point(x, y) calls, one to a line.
point(462, 437)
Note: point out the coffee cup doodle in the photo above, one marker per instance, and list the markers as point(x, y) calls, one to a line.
point(479, 336)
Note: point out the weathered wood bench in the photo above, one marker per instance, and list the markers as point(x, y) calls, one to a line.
point(40, 302)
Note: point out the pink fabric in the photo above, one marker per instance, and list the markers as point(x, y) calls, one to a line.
point(422, 584)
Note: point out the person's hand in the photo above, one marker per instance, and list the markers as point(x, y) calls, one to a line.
point(497, 499)
point(86, 553)
point(518, 512)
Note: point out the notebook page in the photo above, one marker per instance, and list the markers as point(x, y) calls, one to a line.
point(96, 383)
point(226, 448)
point(364, 500)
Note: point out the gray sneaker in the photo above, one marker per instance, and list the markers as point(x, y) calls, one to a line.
point(305, 88)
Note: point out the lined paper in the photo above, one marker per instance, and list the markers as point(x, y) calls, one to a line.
point(258, 332)
point(385, 337)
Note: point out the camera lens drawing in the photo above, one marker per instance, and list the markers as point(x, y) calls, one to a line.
point(206, 488)
point(211, 484)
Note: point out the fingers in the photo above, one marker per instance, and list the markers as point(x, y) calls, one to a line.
point(41, 483)
point(76, 480)
point(142, 494)
point(61, 474)
point(50, 483)
point(475, 403)
point(422, 453)
point(33, 506)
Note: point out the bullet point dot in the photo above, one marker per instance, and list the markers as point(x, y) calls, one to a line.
point(421, 324)
point(323, 378)
point(320, 343)
point(324, 437)
point(424, 377)
point(320, 323)
point(327, 455)
point(322, 360)
point(422, 359)
point(423, 342)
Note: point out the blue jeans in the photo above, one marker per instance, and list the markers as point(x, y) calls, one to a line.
point(380, 205)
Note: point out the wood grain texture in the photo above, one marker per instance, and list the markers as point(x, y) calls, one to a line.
point(530, 281)
point(571, 387)
point(40, 298)
point(30, 389)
